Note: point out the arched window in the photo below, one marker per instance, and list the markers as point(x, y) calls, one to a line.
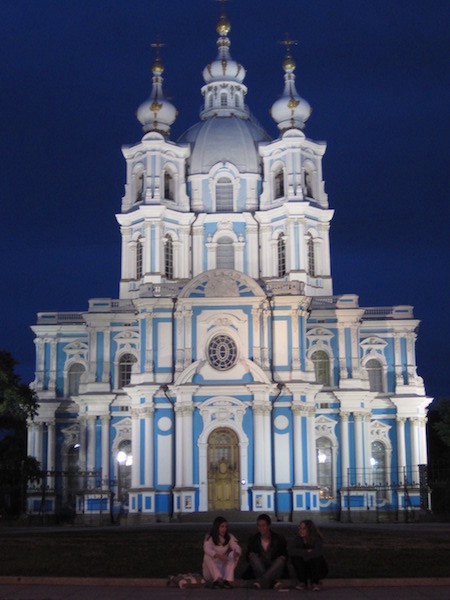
point(236, 101)
point(281, 249)
point(224, 195)
point(168, 257)
point(278, 181)
point(73, 379)
point(324, 453)
point(169, 186)
point(311, 256)
point(225, 253)
point(223, 99)
point(140, 186)
point(375, 372)
point(124, 460)
point(321, 363)
point(211, 100)
point(307, 184)
point(125, 369)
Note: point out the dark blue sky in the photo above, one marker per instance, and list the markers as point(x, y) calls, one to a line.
point(377, 74)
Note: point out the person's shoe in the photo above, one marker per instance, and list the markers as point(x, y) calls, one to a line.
point(256, 585)
point(216, 584)
point(316, 587)
point(278, 586)
point(226, 584)
point(301, 586)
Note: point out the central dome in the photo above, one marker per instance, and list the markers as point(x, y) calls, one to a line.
point(224, 139)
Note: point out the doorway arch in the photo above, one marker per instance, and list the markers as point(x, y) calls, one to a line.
point(223, 470)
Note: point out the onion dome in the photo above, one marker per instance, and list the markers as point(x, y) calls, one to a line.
point(290, 111)
point(157, 113)
point(224, 91)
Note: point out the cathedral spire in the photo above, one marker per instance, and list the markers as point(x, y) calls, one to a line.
point(157, 113)
point(290, 111)
point(224, 91)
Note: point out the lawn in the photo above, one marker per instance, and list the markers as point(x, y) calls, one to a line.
point(164, 550)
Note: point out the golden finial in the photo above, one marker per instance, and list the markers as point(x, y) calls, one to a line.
point(158, 66)
point(289, 62)
point(223, 26)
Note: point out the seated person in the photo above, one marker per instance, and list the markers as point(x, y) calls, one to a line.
point(306, 561)
point(221, 555)
point(266, 553)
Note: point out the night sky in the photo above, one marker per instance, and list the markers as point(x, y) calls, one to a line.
point(376, 72)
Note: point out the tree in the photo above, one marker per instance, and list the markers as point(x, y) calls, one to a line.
point(18, 402)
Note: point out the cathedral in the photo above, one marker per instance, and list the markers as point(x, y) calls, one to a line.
point(227, 376)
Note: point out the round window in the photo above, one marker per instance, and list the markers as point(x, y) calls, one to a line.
point(222, 352)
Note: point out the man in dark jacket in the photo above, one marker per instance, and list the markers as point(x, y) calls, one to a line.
point(266, 553)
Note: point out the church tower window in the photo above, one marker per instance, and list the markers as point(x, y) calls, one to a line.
point(224, 195)
point(168, 257)
point(307, 184)
point(279, 184)
point(281, 247)
point(125, 369)
point(223, 99)
point(139, 258)
point(74, 378)
point(311, 256)
point(168, 186)
point(225, 253)
point(140, 186)
point(375, 372)
point(321, 364)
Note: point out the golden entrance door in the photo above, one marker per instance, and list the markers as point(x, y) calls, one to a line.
point(223, 470)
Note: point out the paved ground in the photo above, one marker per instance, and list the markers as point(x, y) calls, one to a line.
point(33, 588)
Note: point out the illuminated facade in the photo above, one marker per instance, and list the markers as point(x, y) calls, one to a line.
point(227, 375)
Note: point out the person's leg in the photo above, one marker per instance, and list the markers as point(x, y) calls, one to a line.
point(257, 565)
point(299, 568)
point(212, 570)
point(274, 572)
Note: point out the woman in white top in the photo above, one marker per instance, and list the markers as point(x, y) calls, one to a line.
point(221, 555)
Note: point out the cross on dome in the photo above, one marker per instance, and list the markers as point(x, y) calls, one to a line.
point(157, 113)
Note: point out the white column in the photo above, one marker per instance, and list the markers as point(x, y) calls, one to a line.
point(252, 251)
point(51, 452)
point(135, 447)
point(82, 452)
point(178, 445)
point(52, 374)
point(106, 356)
point(187, 319)
point(414, 426)
point(358, 417)
point(423, 460)
point(91, 421)
point(105, 451)
point(343, 373)
point(256, 320)
point(298, 446)
point(147, 259)
point(197, 250)
point(266, 255)
point(39, 430)
point(311, 444)
point(267, 464)
point(295, 315)
point(126, 234)
point(265, 341)
point(187, 446)
point(345, 457)
point(258, 442)
point(148, 446)
point(397, 360)
point(401, 448)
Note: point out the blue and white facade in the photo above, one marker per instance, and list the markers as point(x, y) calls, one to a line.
point(227, 375)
